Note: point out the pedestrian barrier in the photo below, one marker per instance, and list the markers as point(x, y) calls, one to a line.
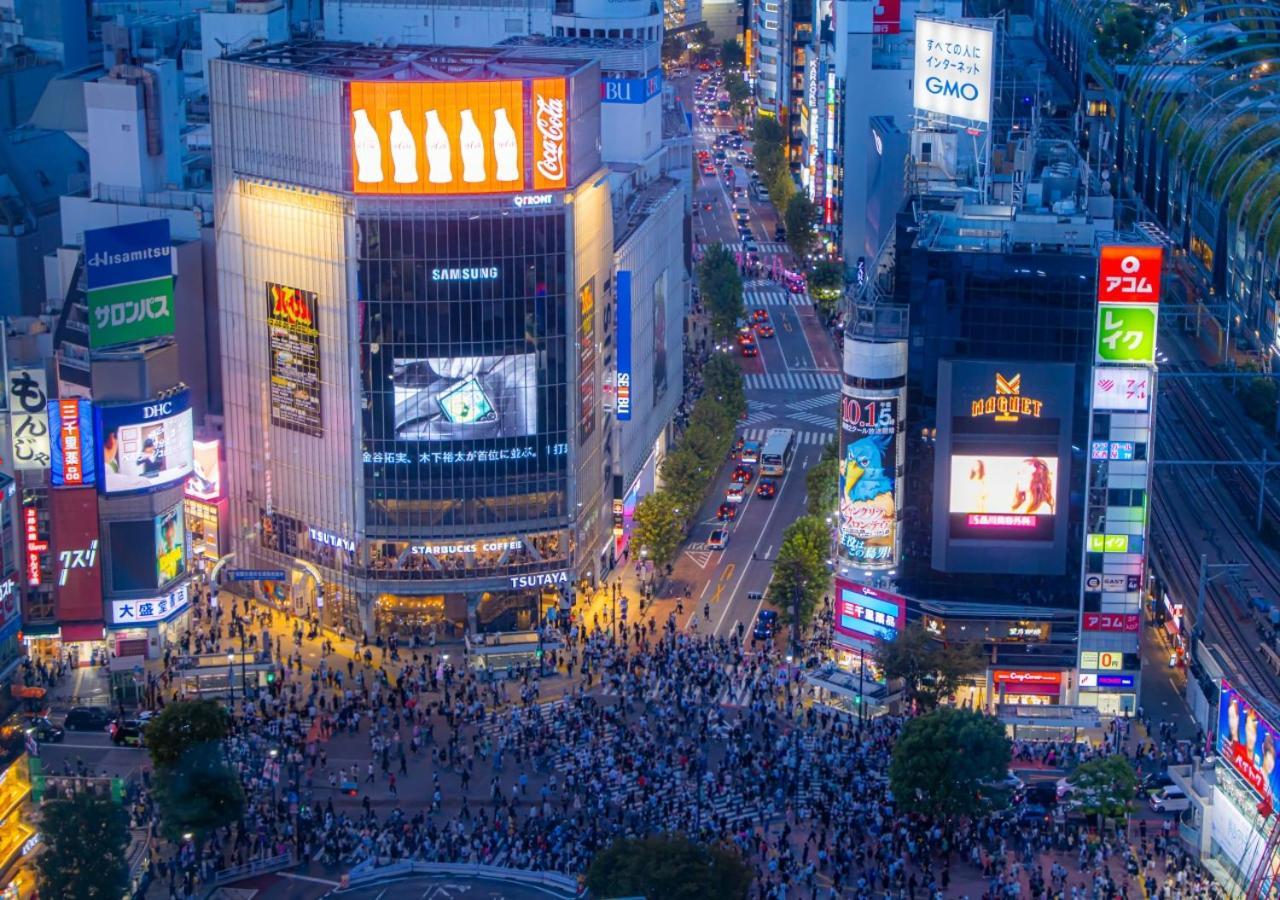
point(554, 883)
point(248, 870)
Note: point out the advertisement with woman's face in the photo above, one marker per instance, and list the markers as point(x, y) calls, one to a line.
point(1247, 742)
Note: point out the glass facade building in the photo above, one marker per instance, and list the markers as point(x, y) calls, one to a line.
point(411, 383)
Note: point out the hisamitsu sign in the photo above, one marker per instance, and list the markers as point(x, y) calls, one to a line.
point(124, 254)
point(130, 278)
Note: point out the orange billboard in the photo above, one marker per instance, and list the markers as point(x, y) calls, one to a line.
point(438, 137)
point(550, 134)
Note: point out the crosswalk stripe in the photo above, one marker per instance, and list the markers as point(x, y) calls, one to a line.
point(802, 437)
point(794, 381)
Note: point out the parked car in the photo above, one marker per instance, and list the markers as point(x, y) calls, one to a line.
point(1170, 799)
point(87, 718)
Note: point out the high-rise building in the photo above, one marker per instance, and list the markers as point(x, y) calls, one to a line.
point(416, 289)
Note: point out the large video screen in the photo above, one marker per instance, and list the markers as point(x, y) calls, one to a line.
point(1003, 490)
point(149, 554)
point(145, 446)
point(1247, 742)
point(466, 398)
point(869, 490)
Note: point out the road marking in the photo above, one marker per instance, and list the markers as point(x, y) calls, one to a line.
point(311, 878)
point(699, 557)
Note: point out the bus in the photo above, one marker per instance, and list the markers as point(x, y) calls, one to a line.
point(779, 445)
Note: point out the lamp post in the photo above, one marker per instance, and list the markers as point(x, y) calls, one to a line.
point(862, 698)
point(231, 676)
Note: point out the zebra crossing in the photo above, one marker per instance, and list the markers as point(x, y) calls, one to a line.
point(753, 298)
point(794, 381)
point(822, 420)
point(759, 246)
point(802, 437)
point(819, 402)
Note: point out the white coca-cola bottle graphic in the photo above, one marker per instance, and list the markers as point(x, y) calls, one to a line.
point(504, 147)
point(472, 149)
point(404, 152)
point(439, 166)
point(368, 149)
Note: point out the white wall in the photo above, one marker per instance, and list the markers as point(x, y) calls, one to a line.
point(116, 118)
point(371, 21)
point(222, 32)
point(630, 132)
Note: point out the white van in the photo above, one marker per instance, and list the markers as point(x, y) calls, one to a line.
point(1170, 799)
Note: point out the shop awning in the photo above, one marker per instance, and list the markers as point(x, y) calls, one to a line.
point(40, 629)
point(81, 631)
point(26, 692)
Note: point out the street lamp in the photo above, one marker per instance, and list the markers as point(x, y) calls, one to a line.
point(231, 676)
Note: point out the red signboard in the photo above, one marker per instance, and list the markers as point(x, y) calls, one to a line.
point(77, 567)
point(1022, 676)
point(887, 18)
point(1130, 274)
point(1111, 621)
point(69, 438)
point(35, 544)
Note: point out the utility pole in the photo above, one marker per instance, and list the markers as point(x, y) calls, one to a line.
point(1208, 573)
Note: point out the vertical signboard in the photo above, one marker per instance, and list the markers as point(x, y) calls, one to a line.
point(73, 459)
point(868, 506)
point(29, 417)
point(953, 69)
point(659, 336)
point(587, 358)
point(34, 542)
point(77, 569)
point(293, 350)
point(887, 17)
point(550, 104)
point(624, 345)
point(129, 269)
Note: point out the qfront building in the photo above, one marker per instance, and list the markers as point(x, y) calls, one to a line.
point(414, 259)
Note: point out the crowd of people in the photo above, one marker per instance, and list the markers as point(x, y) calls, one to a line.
point(353, 762)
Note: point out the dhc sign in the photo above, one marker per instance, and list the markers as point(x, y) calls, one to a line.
point(631, 90)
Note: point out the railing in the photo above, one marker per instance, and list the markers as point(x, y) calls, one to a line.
point(554, 883)
point(248, 870)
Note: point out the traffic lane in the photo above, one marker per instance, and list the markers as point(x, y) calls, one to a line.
point(791, 336)
point(821, 346)
point(94, 750)
point(771, 349)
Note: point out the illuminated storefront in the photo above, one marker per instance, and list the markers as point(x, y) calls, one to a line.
point(18, 835)
point(451, 405)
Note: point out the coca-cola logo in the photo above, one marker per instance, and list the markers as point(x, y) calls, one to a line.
point(549, 119)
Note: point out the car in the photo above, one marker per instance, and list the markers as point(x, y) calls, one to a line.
point(735, 494)
point(766, 625)
point(750, 350)
point(1170, 799)
point(742, 475)
point(748, 451)
point(767, 489)
point(1033, 814)
point(1063, 788)
point(127, 733)
point(749, 245)
point(746, 335)
point(87, 718)
point(739, 444)
point(779, 233)
point(719, 539)
point(1154, 782)
point(760, 314)
point(727, 512)
point(765, 330)
point(704, 66)
point(720, 156)
point(1040, 793)
point(45, 731)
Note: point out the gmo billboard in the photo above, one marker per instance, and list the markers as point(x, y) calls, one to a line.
point(953, 69)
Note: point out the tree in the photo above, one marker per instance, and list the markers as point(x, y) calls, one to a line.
point(944, 761)
point(800, 574)
point(669, 866)
point(1104, 786)
point(800, 217)
point(673, 47)
point(720, 285)
point(85, 842)
point(767, 151)
point(685, 477)
point(1123, 32)
point(657, 527)
point(199, 794)
point(930, 670)
point(826, 279)
point(722, 382)
point(732, 54)
point(182, 726)
point(822, 483)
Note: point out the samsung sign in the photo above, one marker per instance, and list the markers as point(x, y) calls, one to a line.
point(631, 90)
point(124, 254)
point(624, 345)
point(953, 70)
point(478, 273)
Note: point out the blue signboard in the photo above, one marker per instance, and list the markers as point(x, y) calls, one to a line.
point(256, 574)
point(124, 254)
point(1120, 681)
point(631, 90)
point(73, 458)
point(624, 346)
point(145, 446)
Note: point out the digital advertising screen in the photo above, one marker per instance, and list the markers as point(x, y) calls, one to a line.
point(171, 546)
point(73, 456)
point(587, 359)
point(293, 349)
point(145, 446)
point(1011, 492)
point(205, 482)
point(869, 492)
point(465, 398)
point(133, 556)
point(867, 614)
point(1246, 742)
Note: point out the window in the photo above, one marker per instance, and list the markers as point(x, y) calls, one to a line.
point(926, 151)
point(614, 33)
point(628, 33)
point(515, 26)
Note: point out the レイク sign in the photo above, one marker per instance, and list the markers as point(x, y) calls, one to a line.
point(550, 134)
point(1129, 274)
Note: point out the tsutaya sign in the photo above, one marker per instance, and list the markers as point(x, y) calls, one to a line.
point(1007, 404)
point(541, 579)
point(329, 539)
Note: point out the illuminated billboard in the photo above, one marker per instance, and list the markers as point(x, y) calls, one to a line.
point(1008, 491)
point(587, 359)
point(1126, 333)
point(145, 446)
point(75, 560)
point(1122, 388)
point(205, 482)
point(1247, 743)
point(149, 554)
point(953, 69)
point(1129, 274)
point(459, 137)
point(72, 460)
point(465, 398)
point(866, 614)
point(293, 352)
point(868, 503)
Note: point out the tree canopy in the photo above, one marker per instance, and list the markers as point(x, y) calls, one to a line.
point(720, 285)
point(800, 218)
point(930, 670)
point(181, 726)
point(945, 762)
point(670, 867)
point(1104, 786)
point(822, 483)
point(657, 528)
point(732, 54)
point(195, 789)
point(85, 843)
point(800, 573)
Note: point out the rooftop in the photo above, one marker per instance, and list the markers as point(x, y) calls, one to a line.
point(350, 61)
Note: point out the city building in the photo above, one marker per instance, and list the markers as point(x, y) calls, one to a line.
point(417, 256)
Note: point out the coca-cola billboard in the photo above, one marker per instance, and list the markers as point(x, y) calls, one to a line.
point(869, 490)
point(75, 557)
point(550, 134)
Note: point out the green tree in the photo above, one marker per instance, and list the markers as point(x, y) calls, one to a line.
point(673, 47)
point(801, 217)
point(85, 841)
point(722, 383)
point(782, 188)
point(1123, 32)
point(823, 483)
point(826, 284)
point(720, 285)
point(800, 574)
point(181, 726)
point(657, 527)
point(944, 761)
point(768, 152)
point(930, 670)
point(1104, 786)
point(685, 476)
point(199, 794)
point(670, 867)
point(732, 54)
